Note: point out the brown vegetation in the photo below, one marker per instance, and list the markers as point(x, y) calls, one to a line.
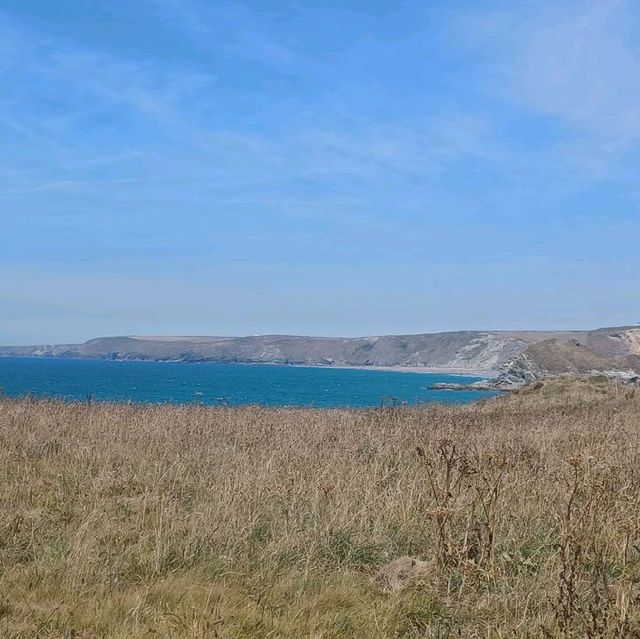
point(570, 356)
point(126, 521)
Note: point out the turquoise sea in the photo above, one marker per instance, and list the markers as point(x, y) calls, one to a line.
point(228, 384)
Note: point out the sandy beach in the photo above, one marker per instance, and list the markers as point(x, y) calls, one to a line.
point(465, 372)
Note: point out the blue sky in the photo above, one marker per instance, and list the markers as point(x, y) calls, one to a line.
point(317, 167)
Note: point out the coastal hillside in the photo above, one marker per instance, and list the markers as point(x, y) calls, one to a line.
point(603, 350)
point(470, 350)
point(550, 352)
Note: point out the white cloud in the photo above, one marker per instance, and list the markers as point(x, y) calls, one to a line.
point(576, 62)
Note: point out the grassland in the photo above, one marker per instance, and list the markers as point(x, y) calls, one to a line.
point(125, 521)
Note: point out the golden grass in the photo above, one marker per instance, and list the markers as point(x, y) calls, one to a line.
point(128, 521)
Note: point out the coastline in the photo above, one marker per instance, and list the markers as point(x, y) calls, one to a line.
point(444, 370)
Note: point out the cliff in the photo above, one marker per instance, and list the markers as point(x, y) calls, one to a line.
point(533, 354)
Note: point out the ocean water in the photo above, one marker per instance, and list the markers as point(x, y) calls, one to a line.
point(228, 384)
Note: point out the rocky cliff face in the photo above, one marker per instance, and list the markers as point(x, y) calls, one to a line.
point(521, 354)
point(614, 352)
point(468, 350)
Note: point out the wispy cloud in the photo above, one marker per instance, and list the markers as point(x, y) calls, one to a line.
point(233, 27)
point(361, 149)
point(576, 62)
point(91, 81)
point(314, 145)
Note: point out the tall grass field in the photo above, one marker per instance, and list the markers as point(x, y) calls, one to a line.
point(126, 521)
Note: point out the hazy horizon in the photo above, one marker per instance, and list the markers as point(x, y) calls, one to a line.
point(312, 336)
point(184, 167)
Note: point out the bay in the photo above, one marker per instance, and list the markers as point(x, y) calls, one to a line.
point(223, 384)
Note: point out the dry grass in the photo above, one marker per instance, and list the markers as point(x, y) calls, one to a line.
point(125, 521)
